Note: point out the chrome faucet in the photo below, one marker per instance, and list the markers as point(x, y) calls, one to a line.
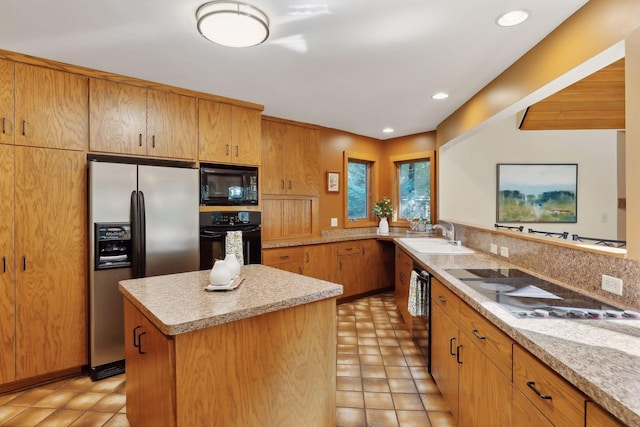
point(449, 232)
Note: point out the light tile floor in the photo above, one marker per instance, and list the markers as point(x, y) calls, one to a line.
point(382, 376)
point(382, 380)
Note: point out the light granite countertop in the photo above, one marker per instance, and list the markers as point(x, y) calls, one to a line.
point(599, 357)
point(333, 238)
point(179, 303)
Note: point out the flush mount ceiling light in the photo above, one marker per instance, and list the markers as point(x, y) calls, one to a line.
point(511, 18)
point(232, 23)
point(387, 130)
point(440, 95)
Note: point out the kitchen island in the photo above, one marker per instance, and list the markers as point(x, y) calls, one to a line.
point(262, 354)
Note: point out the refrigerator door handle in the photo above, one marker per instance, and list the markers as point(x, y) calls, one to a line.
point(135, 240)
point(142, 235)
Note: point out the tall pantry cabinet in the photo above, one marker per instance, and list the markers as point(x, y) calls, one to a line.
point(43, 214)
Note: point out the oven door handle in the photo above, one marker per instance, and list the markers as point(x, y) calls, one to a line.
point(211, 234)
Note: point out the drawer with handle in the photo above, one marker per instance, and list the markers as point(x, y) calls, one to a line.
point(490, 340)
point(445, 299)
point(282, 255)
point(559, 401)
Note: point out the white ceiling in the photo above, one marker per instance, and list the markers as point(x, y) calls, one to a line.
point(359, 67)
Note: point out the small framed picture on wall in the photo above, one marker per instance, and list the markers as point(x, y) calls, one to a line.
point(333, 182)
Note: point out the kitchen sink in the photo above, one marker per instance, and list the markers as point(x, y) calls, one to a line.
point(430, 245)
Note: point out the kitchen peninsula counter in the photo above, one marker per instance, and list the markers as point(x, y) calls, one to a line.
point(262, 354)
point(601, 358)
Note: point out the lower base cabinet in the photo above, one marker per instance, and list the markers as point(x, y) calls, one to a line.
point(276, 369)
point(488, 380)
point(361, 266)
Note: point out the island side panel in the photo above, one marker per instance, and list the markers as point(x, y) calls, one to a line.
point(276, 369)
point(150, 385)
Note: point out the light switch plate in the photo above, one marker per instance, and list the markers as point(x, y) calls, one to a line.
point(334, 222)
point(504, 251)
point(493, 248)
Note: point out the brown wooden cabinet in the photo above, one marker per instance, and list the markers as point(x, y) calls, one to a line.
point(470, 362)
point(484, 370)
point(7, 292)
point(151, 398)
point(524, 414)
point(288, 259)
point(291, 159)
point(444, 343)
point(553, 396)
point(288, 218)
point(127, 119)
point(598, 417)
point(51, 108)
point(50, 270)
point(229, 134)
point(7, 90)
point(274, 369)
point(351, 267)
point(404, 266)
point(319, 261)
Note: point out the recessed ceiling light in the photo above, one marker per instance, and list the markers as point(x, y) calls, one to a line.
point(440, 95)
point(511, 18)
point(387, 130)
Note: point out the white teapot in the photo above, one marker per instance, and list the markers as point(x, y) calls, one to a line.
point(232, 262)
point(220, 273)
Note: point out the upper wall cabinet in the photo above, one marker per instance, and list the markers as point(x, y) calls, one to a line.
point(7, 85)
point(229, 134)
point(291, 159)
point(51, 108)
point(128, 119)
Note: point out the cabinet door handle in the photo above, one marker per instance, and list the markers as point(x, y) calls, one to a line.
point(237, 151)
point(140, 343)
point(24, 263)
point(402, 277)
point(284, 256)
point(140, 140)
point(441, 299)
point(458, 354)
point(4, 264)
point(307, 257)
point(532, 386)
point(477, 335)
point(153, 141)
point(282, 184)
point(24, 128)
point(290, 185)
point(451, 341)
point(226, 149)
point(4, 120)
point(136, 343)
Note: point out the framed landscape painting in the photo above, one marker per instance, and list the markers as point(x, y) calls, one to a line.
point(537, 193)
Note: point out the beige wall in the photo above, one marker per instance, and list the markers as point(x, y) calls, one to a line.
point(597, 27)
point(333, 143)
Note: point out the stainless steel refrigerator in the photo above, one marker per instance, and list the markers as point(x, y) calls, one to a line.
point(143, 221)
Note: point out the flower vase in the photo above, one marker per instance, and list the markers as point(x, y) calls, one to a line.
point(383, 226)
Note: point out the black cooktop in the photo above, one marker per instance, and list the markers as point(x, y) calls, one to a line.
point(528, 296)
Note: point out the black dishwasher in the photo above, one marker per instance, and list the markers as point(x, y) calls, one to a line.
point(422, 318)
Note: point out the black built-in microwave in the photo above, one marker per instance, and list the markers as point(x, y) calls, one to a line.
point(228, 185)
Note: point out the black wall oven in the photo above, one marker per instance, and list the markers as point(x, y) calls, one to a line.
point(228, 185)
point(213, 234)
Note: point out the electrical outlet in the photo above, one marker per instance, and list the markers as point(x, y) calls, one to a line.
point(494, 248)
point(504, 251)
point(334, 222)
point(612, 284)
